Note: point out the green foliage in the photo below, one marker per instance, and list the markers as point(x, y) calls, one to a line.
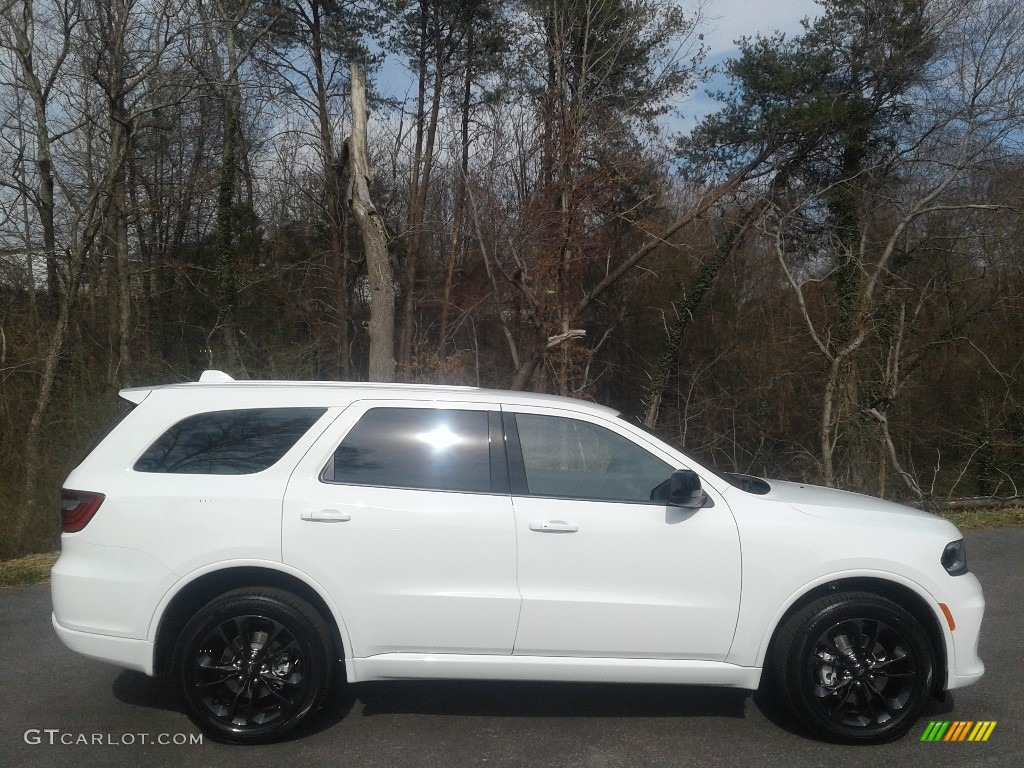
point(825, 103)
point(623, 59)
point(343, 27)
point(448, 33)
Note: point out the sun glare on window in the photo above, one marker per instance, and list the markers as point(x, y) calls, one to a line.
point(440, 438)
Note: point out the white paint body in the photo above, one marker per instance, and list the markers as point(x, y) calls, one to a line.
point(437, 584)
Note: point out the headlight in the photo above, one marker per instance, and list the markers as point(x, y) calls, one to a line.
point(954, 558)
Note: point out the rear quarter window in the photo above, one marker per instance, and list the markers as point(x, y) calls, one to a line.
point(234, 442)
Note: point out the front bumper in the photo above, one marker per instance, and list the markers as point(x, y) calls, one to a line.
point(967, 605)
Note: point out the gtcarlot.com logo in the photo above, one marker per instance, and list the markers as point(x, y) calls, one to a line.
point(57, 737)
point(958, 730)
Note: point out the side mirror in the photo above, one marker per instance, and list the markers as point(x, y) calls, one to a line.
point(684, 490)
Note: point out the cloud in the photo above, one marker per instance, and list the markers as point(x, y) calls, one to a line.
point(729, 20)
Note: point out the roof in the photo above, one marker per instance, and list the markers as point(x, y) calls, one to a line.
point(217, 381)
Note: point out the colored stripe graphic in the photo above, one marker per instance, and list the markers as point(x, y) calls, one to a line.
point(958, 730)
point(982, 730)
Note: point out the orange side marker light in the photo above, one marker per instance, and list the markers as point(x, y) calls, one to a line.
point(949, 616)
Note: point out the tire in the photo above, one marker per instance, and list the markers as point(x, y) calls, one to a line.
point(251, 664)
point(855, 668)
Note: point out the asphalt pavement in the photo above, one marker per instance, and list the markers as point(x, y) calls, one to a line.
point(57, 708)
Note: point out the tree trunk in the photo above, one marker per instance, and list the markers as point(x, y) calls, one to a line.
point(227, 293)
point(227, 284)
point(707, 202)
point(21, 29)
point(94, 213)
point(375, 242)
point(455, 240)
point(420, 189)
point(332, 195)
point(33, 313)
point(829, 422)
point(684, 313)
point(147, 241)
point(117, 244)
point(33, 435)
point(528, 364)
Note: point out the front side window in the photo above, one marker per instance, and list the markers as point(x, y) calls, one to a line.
point(237, 442)
point(424, 448)
point(568, 458)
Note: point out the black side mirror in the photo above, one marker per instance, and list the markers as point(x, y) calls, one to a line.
point(684, 490)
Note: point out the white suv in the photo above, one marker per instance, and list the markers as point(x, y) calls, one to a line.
point(252, 537)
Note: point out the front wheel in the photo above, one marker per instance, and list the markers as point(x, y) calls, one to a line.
point(251, 664)
point(854, 667)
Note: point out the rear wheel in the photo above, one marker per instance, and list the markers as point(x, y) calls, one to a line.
point(854, 667)
point(251, 664)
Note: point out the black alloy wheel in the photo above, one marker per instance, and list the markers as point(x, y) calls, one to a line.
point(252, 664)
point(855, 667)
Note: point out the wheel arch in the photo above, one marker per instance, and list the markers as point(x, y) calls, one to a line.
point(208, 586)
point(907, 598)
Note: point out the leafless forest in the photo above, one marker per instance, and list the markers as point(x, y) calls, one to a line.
point(824, 280)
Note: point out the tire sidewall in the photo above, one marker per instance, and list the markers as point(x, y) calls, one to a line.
point(265, 605)
point(799, 673)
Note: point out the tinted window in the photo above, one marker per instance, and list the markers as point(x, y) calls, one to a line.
point(434, 449)
point(228, 442)
point(578, 460)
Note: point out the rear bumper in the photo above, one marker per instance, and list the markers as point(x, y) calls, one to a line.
point(122, 651)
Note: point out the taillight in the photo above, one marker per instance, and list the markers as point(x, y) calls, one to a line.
point(77, 509)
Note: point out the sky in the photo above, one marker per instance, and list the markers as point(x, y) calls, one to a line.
point(732, 19)
point(726, 21)
point(729, 20)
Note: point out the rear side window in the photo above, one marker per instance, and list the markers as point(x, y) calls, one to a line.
point(239, 442)
point(424, 448)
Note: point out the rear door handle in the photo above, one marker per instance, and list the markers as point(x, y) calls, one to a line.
point(553, 526)
point(326, 516)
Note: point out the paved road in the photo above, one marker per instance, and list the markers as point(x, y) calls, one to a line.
point(43, 686)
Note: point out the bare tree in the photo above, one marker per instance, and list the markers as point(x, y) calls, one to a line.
point(39, 72)
point(375, 241)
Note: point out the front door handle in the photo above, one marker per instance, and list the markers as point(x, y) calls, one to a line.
point(553, 526)
point(326, 516)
